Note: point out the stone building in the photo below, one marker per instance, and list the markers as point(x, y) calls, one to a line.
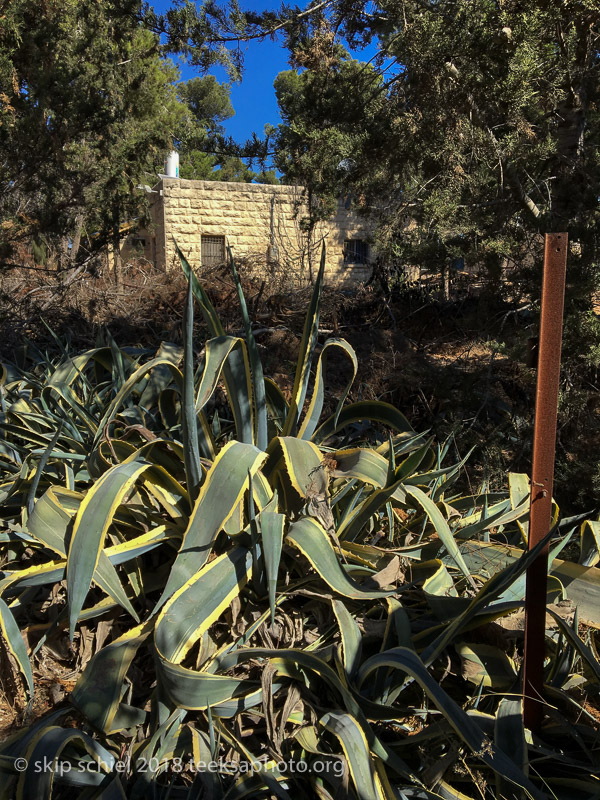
point(262, 224)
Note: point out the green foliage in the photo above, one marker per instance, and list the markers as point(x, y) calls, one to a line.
point(88, 108)
point(477, 120)
point(300, 587)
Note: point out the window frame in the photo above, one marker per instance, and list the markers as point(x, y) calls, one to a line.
point(352, 251)
point(214, 260)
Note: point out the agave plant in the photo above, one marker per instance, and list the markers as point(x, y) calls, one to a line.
point(289, 600)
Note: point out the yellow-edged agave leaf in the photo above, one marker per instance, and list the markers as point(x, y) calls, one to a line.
point(315, 407)
point(47, 746)
point(519, 488)
point(509, 735)
point(355, 521)
point(198, 691)
point(261, 489)
point(236, 370)
point(51, 517)
point(305, 356)
point(99, 689)
point(356, 749)
point(49, 522)
point(72, 368)
point(220, 494)
point(351, 638)
point(13, 640)
point(161, 376)
point(217, 351)
point(575, 640)
point(311, 539)
point(91, 523)
point(501, 517)
point(302, 461)
point(409, 663)
point(441, 593)
point(169, 492)
point(367, 465)
point(194, 607)
point(590, 543)
point(442, 528)
point(313, 663)
point(372, 410)
point(271, 530)
point(258, 381)
point(488, 664)
point(189, 421)
point(129, 386)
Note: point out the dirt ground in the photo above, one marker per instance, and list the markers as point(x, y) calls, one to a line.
point(452, 367)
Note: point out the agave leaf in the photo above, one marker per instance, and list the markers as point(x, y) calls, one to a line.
point(315, 407)
point(372, 410)
point(351, 639)
point(220, 494)
point(211, 589)
point(199, 691)
point(359, 462)
point(236, 371)
point(305, 356)
point(258, 382)
point(486, 596)
point(272, 529)
point(487, 665)
point(276, 404)
point(302, 460)
point(159, 747)
point(77, 412)
point(113, 790)
point(354, 522)
point(356, 749)
point(40, 469)
point(93, 518)
point(509, 735)
point(99, 689)
point(268, 774)
point(590, 543)
point(442, 528)
point(189, 424)
point(160, 377)
point(311, 539)
point(584, 651)
point(315, 664)
point(519, 488)
point(69, 370)
point(49, 523)
point(48, 745)
point(409, 662)
point(131, 384)
point(495, 520)
point(16, 646)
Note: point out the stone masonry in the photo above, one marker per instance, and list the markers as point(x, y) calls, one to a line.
point(262, 224)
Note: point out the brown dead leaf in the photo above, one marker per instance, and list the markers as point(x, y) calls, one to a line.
point(388, 577)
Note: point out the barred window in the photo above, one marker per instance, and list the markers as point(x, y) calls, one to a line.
point(356, 251)
point(212, 250)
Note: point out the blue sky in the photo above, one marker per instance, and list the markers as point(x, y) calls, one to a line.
point(254, 98)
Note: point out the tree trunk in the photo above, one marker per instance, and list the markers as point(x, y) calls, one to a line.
point(76, 241)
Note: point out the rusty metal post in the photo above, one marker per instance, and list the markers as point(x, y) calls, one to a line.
point(544, 444)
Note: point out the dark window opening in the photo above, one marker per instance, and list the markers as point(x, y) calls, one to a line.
point(212, 250)
point(356, 251)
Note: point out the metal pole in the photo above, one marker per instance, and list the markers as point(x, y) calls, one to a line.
point(544, 443)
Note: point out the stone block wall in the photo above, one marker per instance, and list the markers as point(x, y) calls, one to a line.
point(261, 223)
